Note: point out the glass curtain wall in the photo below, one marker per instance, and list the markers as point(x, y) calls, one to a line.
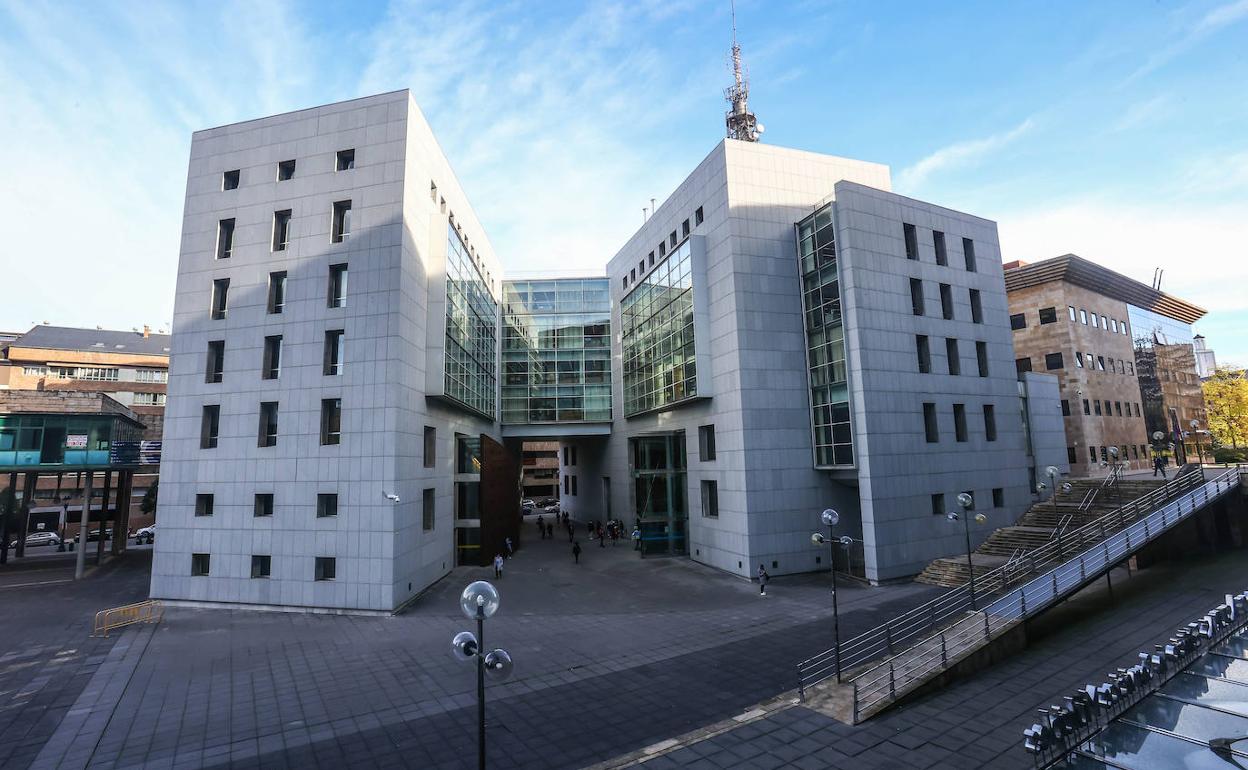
point(471, 336)
point(825, 341)
point(1165, 363)
point(657, 338)
point(556, 351)
point(658, 467)
point(467, 499)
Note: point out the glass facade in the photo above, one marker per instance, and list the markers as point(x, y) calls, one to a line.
point(657, 336)
point(825, 341)
point(471, 331)
point(556, 351)
point(658, 467)
point(29, 440)
point(467, 499)
point(1171, 397)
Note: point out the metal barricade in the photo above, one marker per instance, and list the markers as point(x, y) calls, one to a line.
point(150, 611)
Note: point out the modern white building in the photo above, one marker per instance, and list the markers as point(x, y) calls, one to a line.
point(783, 335)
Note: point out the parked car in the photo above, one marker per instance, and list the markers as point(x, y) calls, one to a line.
point(146, 534)
point(39, 538)
point(528, 504)
point(552, 508)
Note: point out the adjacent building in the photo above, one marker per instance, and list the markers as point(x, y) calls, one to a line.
point(1123, 354)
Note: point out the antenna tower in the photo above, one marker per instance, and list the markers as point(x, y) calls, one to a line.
point(740, 122)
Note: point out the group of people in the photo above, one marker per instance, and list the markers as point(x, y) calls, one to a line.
point(546, 529)
point(613, 529)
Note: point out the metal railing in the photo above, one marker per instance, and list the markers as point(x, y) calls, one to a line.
point(909, 627)
point(1100, 553)
point(150, 611)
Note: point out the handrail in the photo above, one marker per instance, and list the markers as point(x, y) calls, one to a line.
point(150, 611)
point(910, 625)
point(1032, 597)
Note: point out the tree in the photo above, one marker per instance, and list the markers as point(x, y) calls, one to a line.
point(148, 505)
point(1226, 403)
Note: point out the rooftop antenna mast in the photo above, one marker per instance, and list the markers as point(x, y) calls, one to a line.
point(740, 122)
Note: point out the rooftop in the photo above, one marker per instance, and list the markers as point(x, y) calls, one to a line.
point(1079, 271)
point(93, 340)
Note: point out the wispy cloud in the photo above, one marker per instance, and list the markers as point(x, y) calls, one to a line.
point(1212, 21)
point(959, 154)
point(1142, 112)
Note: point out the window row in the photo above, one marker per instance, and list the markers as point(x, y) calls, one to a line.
point(918, 303)
point(95, 373)
point(324, 567)
point(326, 506)
point(344, 160)
point(663, 248)
point(910, 234)
point(331, 424)
point(938, 501)
point(1101, 454)
point(931, 426)
point(1082, 361)
point(275, 304)
point(1104, 408)
point(569, 485)
point(332, 358)
point(339, 230)
point(953, 358)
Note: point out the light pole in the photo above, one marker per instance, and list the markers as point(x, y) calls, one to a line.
point(966, 502)
point(1196, 436)
point(830, 519)
point(478, 602)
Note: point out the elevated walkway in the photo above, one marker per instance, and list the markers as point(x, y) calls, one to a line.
point(919, 645)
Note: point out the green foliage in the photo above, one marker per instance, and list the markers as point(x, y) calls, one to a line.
point(1226, 454)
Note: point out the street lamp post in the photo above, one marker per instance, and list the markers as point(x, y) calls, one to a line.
point(478, 602)
point(966, 502)
point(830, 519)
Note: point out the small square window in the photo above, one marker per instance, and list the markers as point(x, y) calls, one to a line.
point(710, 499)
point(1048, 315)
point(229, 180)
point(285, 170)
point(261, 566)
point(326, 505)
point(1022, 364)
point(345, 160)
point(263, 504)
point(697, 216)
point(998, 497)
point(326, 567)
point(1053, 361)
point(706, 443)
point(201, 564)
point(203, 505)
point(938, 504)
point(1018, 321)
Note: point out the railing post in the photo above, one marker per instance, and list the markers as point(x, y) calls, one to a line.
point(1054, 573)
point(1083, 573)
point(944, 651)
point(888, 635)
point(892, 683)
point(987, 630)
point(1022, 601)
point(1147, 536)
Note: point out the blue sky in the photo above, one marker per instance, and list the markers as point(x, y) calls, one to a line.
point(1114, 130)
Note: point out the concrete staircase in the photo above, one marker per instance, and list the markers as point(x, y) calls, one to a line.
point(1037, 526)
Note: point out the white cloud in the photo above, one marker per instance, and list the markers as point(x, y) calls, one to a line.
point(1220, 17)
point(959, 154)
point(1142, 112)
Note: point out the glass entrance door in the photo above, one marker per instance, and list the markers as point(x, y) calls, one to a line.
point(662, 510)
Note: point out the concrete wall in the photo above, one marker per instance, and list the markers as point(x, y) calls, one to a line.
point(1041, 396)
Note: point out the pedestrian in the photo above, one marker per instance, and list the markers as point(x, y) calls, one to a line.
point(763, 577)
point(576, 551)
point(1159, 465)
point(615, 534)
point(541, 528)
point(590, 526)
point(571, 531)
point(498, 565)
point(511, 551)
point(550, 531)
point(636, 539)
point(601, 539)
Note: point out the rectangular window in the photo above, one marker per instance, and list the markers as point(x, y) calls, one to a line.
point(990, 422)
point(200, 564)
point(277, 292)
point(1048, 315)
point(345, 160)
point(1118, 408)
point(285, 170)
point(229, 180)
point(710, 499)
point(1092, 454)
point(268, 424)
point(149, 399)
point(220, 298)
point(1096, 406)
point(1018, 321)
point(333, 354)
point(433, 191)
point(930, 429)
point(912, 240)
point(1022, 365)
point(567, 485)
point(1137, 410)
point(946, 301)
point(684, 228)
point(1100, 363)
point(938, 239)
point(924, 353)
point(341, 229)
point(326, 504)
point(951, 355)
point(977, 307)
point(650, 259)
point(1083, 317)
point(706, 443)
point(1071, 308)
point(326, 567)
point(216, 361)
point(1093, 318)
point(916, 296)
point(281, 229)
point(981, 357)
point(938, 504)
point(1078, 360)
point(1105, 323)
point(209, 422)
point(271, 365)
point(225, 238)
point(567, 455)
point(671, 239)
point(331, 421)
point(1087, 406)
point(1122, 327)
point(959, 422)
point(697, 216)
point(1065, 408)
point(1054, 361)
point(998, 497)
point(1071, 457)
point(1113, 325)
point(203, 505)
point(263, 505)
point(431, 446)
point(337, 285)
point(428, 512)
point(261, 566)
point(574, 486)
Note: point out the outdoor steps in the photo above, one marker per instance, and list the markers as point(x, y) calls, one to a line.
point(1009, 540)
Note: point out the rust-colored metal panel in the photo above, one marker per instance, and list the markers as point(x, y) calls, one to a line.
point(499, 499)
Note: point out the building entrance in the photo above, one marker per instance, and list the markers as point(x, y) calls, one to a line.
point(658, 468)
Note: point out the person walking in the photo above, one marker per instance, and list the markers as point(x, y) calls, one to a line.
point(636, 539)
point(1159, 465)
point(498, 565)
point(511, 551)
point(763, 577)
point(550, 531)
point(571, 531)
point(576, 551)
point(541, 528)
point(601, 539)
